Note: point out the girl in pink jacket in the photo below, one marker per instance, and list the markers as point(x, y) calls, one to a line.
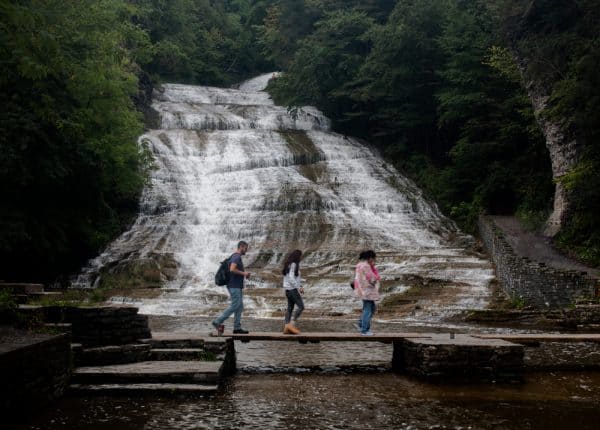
point(366, 287)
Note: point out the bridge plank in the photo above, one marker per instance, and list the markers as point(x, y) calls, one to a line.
point(325, 336)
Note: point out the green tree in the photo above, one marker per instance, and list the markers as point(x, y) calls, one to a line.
point(499, 161)
point(325, 60)
point(70, 166)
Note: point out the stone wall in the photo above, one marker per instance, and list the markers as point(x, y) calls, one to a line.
point(535, 283)
point(460, 357)
point(96, 326)
point(107, 325)
point(33, 374)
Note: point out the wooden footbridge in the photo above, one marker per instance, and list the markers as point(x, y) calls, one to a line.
point(441, 355)
point(316, 337)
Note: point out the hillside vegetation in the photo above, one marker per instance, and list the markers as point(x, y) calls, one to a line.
point(433, 83)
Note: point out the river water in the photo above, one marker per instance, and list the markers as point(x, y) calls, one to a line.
point(346, 401)
point(335, 385)
point(231, 165)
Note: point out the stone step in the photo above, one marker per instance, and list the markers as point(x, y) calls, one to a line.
point(151, 372)
point(175, 341)
point(183, 354)
point(112, 354)
point(40, 294)
point(139, 389)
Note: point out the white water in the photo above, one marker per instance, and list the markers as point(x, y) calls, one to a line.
point(233, 166)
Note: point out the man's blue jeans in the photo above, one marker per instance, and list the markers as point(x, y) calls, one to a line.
point(367, 314)
point(236, 307)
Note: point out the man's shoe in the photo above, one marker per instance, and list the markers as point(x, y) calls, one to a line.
point(240, 331)
point(367, 333)
point(219, 327)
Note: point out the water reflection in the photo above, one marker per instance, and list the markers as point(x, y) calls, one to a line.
point(347, 401)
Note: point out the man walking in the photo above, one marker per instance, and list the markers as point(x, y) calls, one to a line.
point(235, 287)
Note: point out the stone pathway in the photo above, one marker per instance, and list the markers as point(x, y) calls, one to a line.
point(174, 364)
point(152, 371)
point(536, 247)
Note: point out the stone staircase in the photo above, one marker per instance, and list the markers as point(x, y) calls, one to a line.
point(166, 364)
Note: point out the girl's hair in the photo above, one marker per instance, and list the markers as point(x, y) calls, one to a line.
point(365, 255)
point(293, 257)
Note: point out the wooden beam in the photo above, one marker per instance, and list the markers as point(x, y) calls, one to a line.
point(315, 337)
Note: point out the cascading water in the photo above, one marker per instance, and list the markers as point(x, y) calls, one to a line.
point(230, 166)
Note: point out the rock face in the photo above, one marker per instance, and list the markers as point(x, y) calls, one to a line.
point(565, 150)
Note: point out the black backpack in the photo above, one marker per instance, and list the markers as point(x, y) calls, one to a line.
point(223, 274)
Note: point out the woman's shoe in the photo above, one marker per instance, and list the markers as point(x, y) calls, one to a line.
point(290, 329)
point(295, 329)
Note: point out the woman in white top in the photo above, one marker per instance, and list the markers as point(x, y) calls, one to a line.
point(293, 291)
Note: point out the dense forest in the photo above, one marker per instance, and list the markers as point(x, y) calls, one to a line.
point(435, 84)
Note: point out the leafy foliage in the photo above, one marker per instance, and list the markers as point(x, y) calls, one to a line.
point(69, 166)
point(430, 81)
point(71, 169)
point(200, 41)
point(562, 40)
point(434, 87)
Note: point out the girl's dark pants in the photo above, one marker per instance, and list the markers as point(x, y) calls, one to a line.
point(293, 298)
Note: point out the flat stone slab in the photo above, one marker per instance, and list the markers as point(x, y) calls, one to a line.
point(118, 348)
point(177, 353)
point(151, 372)
point(153, 367)
point(112, 354)
point(162, 389)
point(45, 293)
point(176, 340)
point(12, 339)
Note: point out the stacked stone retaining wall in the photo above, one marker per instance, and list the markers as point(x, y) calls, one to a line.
point(535, 283)
point(33, 375)
point(97, 326)
point(107, 325)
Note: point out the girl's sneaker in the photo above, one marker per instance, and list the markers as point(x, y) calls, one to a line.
point(290, 329)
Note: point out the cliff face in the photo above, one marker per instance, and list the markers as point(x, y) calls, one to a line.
point(565, 150)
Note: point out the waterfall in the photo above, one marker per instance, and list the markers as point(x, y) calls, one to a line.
point(230, 165)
